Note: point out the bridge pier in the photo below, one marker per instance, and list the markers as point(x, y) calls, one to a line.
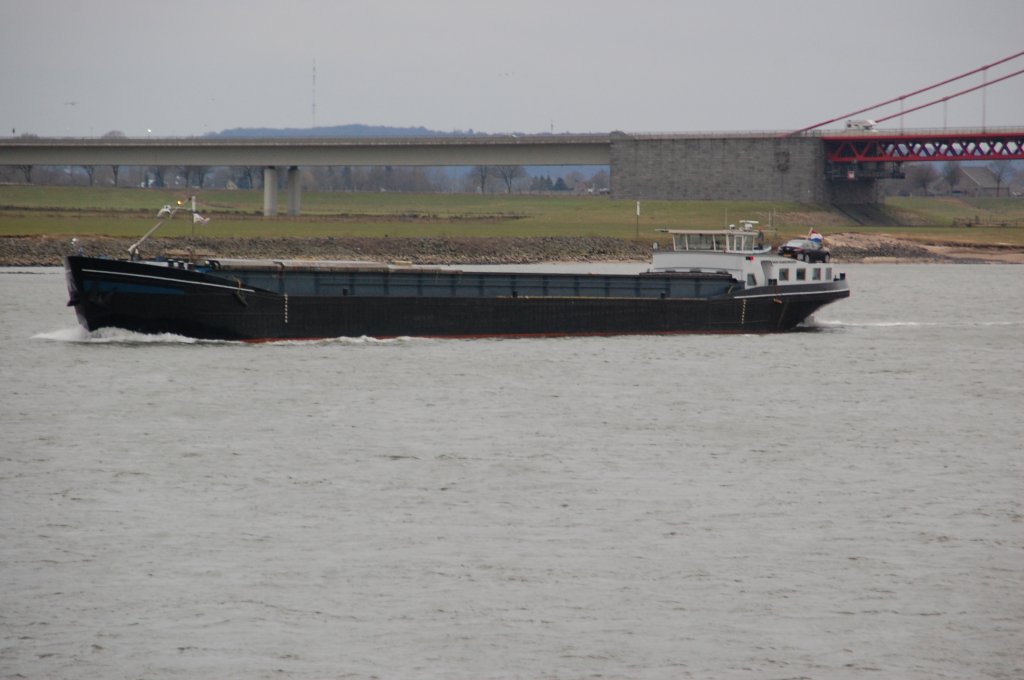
point(294, 191)
point(269, 191)
point(294, 187)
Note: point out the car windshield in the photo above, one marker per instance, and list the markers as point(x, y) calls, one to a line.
point(802, 243)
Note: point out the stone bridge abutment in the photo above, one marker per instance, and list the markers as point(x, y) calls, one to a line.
point(729, 167)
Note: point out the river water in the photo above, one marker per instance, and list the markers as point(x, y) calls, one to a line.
point(841, 502)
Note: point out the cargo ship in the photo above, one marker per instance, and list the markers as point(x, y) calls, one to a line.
point(707, 281)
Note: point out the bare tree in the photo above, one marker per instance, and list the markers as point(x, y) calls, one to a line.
point(90, 170)
point(509, 174)
point(922, 176)
point(1002, 172)
point(26, 169)
point(482, 172)
point(574, 179)
point(600, 180)
point(115, 134)
point(195, 175)
point(951, 174)
point(158, 176)
point(248, 176)
point(347, 182)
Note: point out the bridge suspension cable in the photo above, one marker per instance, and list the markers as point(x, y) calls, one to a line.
point(948, 97)
point(920, 91)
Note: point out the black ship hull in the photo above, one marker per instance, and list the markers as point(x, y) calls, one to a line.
point(383, 303)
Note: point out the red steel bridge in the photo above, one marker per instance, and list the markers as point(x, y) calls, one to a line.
point(965, 145)
point(864, 151)
point(876, 155)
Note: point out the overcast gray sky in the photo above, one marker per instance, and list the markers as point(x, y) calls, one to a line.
point(189, 67)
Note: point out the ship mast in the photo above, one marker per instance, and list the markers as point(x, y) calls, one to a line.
point(166, 213)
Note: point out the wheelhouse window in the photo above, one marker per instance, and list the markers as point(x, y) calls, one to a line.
point(712, 241)
point(828, 273)
point(751, 280)
point(816, 274)
point(784, 275)
point(742, 242)
point(801, 274)
point(700, 241)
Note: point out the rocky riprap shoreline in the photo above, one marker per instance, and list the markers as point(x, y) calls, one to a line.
point(29, 251)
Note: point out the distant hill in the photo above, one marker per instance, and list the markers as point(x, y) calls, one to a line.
point(354, 130)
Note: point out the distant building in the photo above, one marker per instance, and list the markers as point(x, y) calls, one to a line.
point(978, 181)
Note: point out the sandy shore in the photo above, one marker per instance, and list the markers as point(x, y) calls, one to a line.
point(847, 247)
point(853, 247)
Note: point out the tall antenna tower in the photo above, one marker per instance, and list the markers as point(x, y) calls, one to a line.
point(314, 91)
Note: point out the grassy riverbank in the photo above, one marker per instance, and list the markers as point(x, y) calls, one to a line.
point(64, 212)
point(123, 212)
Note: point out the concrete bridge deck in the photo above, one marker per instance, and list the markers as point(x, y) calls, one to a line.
point(291, 153)
point(475, 150)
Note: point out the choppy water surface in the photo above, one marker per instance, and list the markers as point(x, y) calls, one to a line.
point(844, 502)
